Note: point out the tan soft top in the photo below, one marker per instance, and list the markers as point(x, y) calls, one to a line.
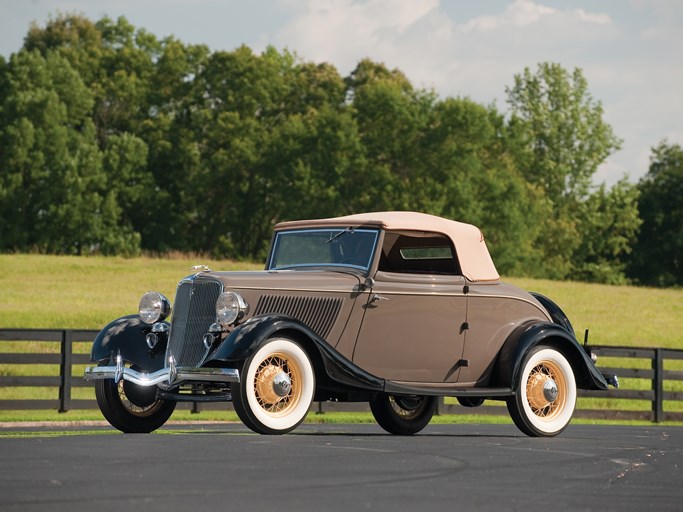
point(468, 240)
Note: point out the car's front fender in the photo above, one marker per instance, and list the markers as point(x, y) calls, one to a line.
point(246, 339)
point(531, 334)
point(126, 335)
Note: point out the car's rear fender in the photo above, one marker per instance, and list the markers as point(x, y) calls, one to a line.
point(126, 336)
point(531, 334)
point(556, 314)
point(331, 368)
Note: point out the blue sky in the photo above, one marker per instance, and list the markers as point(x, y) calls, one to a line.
point(631, 52)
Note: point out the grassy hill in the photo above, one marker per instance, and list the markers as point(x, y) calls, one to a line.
point(87, 292)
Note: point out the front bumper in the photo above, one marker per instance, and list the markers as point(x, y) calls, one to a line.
point(165, 378)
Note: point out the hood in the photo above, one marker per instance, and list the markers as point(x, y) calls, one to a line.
point(309, 280)
point(321, 299)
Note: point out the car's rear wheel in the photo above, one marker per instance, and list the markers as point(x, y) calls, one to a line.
point(403, 415)
point(544, 401)
point(276, 388)
point(131, 408)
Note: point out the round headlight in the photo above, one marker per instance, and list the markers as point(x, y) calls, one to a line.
point(154, 307)
point(230, 307)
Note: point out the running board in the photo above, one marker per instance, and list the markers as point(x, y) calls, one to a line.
point(394, 388)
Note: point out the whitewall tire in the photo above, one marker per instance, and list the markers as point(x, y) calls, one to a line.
point(276, 389)
point(545, 396)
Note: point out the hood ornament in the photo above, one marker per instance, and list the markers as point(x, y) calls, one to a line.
point(200, 268)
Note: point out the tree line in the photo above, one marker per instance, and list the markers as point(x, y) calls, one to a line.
point(113, 141)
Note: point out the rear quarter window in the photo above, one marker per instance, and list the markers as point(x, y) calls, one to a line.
point(424, 253)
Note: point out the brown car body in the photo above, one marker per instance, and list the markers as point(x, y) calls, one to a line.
point(393, 308)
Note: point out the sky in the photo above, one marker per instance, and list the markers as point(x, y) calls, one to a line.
point(630, 51)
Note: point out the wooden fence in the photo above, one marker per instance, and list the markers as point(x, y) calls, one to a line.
point(659, 383)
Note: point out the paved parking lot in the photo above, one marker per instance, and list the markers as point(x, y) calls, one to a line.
point(342, 467)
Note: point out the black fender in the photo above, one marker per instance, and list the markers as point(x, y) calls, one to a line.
point(330, 366)
point(556, 314)
point(127, 336)
point(534, 333)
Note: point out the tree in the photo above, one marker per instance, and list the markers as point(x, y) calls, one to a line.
point(113, 141)
point(52, 188)
point(567, 137)
point(238, 100)
point(128, 184)
point(657, 257)
point(469, 175)
point(392, 117)
point(566, 140)
point(609, 225)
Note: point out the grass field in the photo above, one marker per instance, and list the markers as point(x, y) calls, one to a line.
point(68, 292)
point(63, 292)
point(87, 292)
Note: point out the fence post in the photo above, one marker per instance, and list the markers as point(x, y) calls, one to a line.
point(65, 371)
point(658, 386)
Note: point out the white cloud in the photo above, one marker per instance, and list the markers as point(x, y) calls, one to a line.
point(630, 54)
point(343, 32)
point(520, 13)
point(431, 48)
point(478, 57)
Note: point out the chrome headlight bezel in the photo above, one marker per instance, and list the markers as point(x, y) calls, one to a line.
point(230, 308)
point(154, 307)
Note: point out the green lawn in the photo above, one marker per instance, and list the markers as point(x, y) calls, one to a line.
point(87, 292)
point(69, 292)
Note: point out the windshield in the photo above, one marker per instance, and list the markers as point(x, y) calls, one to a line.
point(349, 247)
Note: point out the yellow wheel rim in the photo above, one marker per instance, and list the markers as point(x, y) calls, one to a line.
point(264, 384)
point(136, 410)
point(545, 378)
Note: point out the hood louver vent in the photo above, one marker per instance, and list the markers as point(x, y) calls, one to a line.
point(319, 314)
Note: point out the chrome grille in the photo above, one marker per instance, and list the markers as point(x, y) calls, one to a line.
point(318, 313)
point(194, 310)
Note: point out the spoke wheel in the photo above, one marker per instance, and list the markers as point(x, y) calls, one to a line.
point(544, 400)
point(277, 388)
point(403, 415)
point(131, 408)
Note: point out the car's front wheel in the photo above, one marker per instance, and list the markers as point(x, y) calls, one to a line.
point(131, 408)
point(544, 401)
point(403, 415)
point(276, 388)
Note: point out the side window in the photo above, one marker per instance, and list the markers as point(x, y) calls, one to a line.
point(418, 252)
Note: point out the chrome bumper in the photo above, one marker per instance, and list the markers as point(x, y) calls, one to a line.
point(164, 378)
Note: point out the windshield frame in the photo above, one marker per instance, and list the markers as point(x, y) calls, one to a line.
point(331, 235)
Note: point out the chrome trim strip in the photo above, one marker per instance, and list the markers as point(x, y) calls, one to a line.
point(298, 290)
point(386, 292)
point(457, 294)
point(167, 376)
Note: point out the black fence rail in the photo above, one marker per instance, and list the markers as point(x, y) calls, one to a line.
point(659, 384)
point(57, 351)
point(663, 382)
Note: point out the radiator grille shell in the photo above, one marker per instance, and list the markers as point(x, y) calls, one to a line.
point(194, 310)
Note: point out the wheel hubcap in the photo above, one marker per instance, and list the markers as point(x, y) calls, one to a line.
point(265, 384)
point(282, 384)
point(550, 390)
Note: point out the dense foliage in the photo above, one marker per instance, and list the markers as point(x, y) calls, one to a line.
point(657, 258)
point(113, 141)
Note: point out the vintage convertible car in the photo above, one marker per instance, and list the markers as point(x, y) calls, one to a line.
point(392, 308)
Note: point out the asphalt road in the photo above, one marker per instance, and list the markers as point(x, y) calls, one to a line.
point(344, 467)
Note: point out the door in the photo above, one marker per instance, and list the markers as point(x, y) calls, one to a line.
point(413, 328)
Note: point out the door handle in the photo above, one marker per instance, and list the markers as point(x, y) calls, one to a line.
point(377, 298)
